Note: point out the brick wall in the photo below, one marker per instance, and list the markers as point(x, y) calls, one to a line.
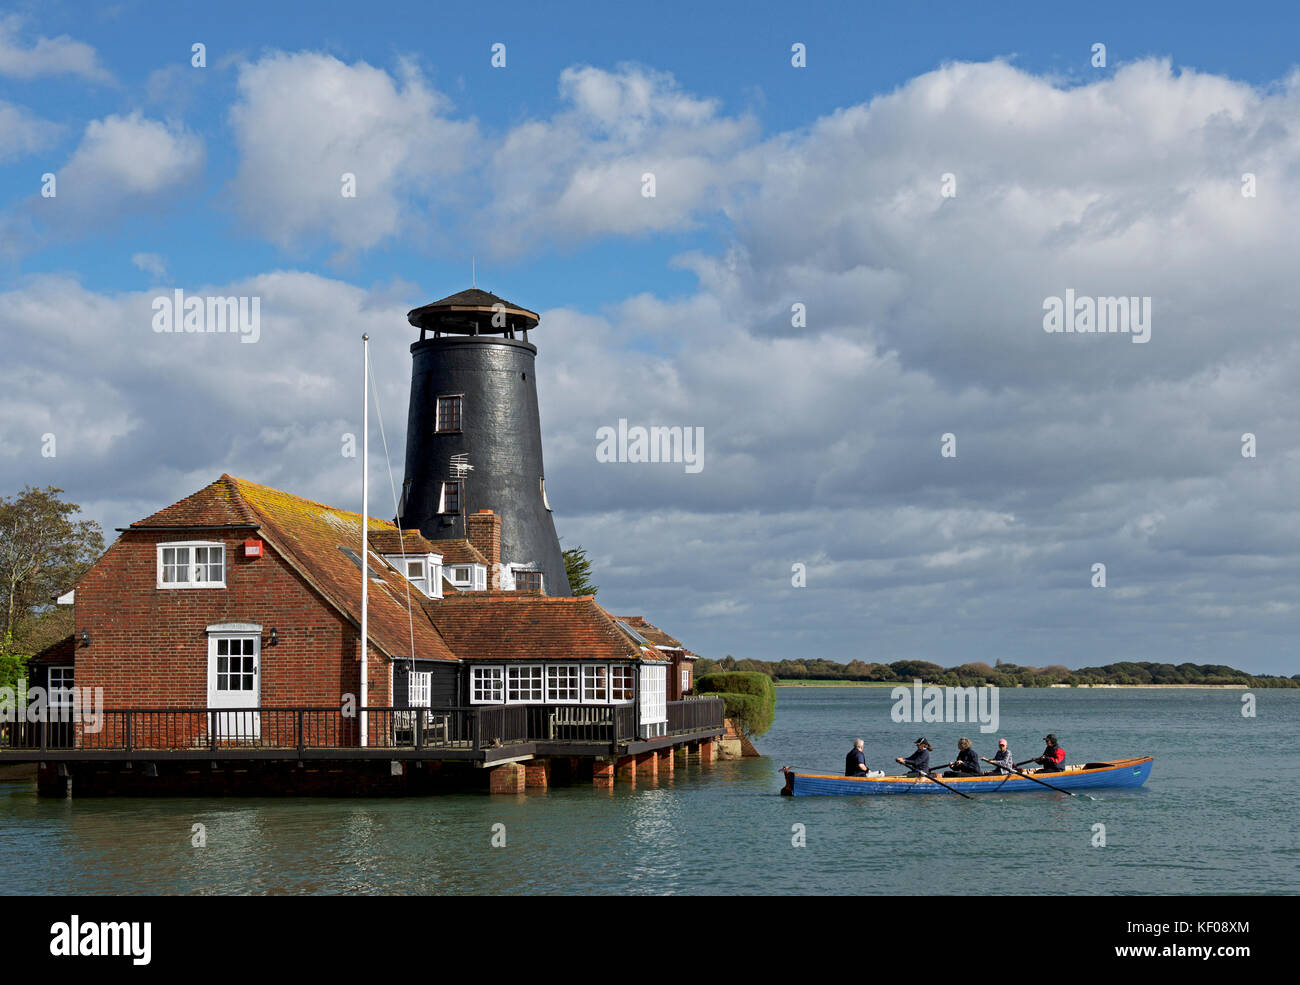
point(483, 530)
point(149, 646)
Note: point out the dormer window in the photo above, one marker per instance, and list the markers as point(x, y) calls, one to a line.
point(417, 573)
point(191, 565)
point(423, 571)
point(468, 577)
point(449, 409)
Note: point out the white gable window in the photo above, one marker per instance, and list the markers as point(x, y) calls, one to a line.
point(621, 683)
point(562, 684)
point(595, 685)
point(486, 685)
point(654, 700)
point(419, 688)
point(191, 565)
point(654, 695)
point(468, 577)
point(524, 684)
point(686, 679)
point(423, 571)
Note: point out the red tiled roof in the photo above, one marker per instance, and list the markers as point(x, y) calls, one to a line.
point(530, 626)
point(458, 551)
point(215, 505)
point(652, 633)
point(410, 542)
point(310, 536)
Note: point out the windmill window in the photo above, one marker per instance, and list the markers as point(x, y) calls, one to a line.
point(449, 414)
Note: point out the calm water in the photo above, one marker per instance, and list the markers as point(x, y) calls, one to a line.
point(1219, 815)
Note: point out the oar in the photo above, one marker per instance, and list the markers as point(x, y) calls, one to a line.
point(1027, 776)
point(944, 785)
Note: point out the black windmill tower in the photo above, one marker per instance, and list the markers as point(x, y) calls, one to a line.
point(473, 436)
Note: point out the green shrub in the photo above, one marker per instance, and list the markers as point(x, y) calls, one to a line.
point(750, 698)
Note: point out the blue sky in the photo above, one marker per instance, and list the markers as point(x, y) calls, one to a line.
point(818, 185)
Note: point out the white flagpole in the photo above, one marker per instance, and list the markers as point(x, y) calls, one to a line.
point(365, 525)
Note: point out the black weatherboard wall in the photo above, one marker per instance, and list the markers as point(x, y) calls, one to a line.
point(491, 366)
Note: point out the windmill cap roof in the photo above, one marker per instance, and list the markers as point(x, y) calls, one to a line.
point(471, 301)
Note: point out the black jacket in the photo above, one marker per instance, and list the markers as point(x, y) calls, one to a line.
point(967, 762)
point(919, 760)
point(854, 763)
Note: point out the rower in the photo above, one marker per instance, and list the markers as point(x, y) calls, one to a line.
point(919, 761)
point(855, 763)
point(1002, 758)
point(1053, 758)
point(966, 763)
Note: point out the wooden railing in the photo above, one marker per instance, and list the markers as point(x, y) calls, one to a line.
point(476, 727)
point(695, 715)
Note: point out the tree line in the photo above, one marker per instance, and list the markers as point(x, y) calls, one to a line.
point(1001, 674)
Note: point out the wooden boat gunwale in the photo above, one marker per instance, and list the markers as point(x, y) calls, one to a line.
point(990, 783)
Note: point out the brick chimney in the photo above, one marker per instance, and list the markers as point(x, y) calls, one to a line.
point(483, 530)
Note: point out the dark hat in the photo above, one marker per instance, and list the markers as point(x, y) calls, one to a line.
point(921, 742)
point(1050, 737)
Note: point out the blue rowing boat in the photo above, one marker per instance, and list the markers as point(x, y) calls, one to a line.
point(1088, 776)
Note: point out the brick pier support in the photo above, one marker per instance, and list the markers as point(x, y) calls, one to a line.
point(707, 750)
point(537, 774)
point(507, 778)
point(647, 764)
point(666, 764)
point(602, 774)
point(626, 769)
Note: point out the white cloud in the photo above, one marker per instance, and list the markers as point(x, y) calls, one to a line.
point(46, 56)
point(579, 174)
point(151, 263)
point(24, 133)
point(304, 120)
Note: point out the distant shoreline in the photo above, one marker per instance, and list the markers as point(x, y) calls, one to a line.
point(1050, 687)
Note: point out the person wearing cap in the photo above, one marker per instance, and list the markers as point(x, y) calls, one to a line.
point(855, 763)
point(1002, 758)
point(966, 763)
point(919, 761)
point(1053, 758)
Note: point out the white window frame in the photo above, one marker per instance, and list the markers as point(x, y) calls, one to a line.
point(622, 677)
point(496, 675)
point(599, 681)
point(553, 685)
point(480, 577)
point(534, 686)
point(214, 641)
point(189, 547)
point(654, 694)
point(419, 689)
point(686, 679)
point(61, 694)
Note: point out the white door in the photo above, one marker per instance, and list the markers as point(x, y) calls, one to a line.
point(235, 681)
